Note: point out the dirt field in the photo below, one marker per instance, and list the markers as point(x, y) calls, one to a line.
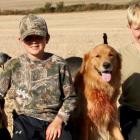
point(72, 34)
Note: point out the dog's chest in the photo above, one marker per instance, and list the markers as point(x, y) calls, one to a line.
point(99, 106)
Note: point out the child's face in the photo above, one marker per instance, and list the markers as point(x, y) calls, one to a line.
point(135, 29)
point(34, 46)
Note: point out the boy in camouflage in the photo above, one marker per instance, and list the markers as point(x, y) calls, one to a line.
point(44, 94)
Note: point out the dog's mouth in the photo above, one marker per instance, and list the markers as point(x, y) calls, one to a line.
point(106, 75)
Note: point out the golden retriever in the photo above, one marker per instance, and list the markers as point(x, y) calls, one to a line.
point(98, 84)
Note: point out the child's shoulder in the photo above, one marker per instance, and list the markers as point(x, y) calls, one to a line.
point(129, 49)
point(126, 49)
point(58, 59)
point(13, 62)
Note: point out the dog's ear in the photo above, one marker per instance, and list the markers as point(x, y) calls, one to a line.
point(119, 59)
point(83, 65)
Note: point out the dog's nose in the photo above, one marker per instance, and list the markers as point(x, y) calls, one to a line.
point(106, 65)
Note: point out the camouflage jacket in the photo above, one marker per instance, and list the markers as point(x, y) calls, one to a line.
point(43, 89)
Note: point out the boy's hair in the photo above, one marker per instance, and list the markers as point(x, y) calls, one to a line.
point(33, 25)
point(133, 13)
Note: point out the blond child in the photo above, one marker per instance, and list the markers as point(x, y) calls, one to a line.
point(130, 99)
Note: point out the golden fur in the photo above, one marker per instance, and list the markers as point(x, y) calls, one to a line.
point(98, 94)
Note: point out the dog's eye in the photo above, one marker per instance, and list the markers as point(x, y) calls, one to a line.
point(111, 54)
point(97, 55)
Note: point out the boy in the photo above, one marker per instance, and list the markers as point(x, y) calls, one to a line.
point(44, 94)
point(130, 99)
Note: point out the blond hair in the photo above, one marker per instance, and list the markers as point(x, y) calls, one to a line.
point(133, 14)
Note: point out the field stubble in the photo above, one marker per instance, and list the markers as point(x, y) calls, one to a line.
point(26, 4)
point(72, 34)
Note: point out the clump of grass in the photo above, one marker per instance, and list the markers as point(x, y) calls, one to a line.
point(60, 7)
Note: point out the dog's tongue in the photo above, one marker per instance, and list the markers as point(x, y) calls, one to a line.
point(106, 77)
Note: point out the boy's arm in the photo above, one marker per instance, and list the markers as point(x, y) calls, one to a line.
point(4, 82)
point(70, 98)
point(4, 85)
point(69, 104)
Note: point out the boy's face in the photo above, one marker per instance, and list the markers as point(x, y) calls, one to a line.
point(135, 29)
point(34, 46)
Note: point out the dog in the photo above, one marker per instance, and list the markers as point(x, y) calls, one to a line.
point(4, 133)
point(97, 84)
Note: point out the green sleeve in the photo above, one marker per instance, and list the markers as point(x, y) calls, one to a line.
point(5, 80)
point(70, 98)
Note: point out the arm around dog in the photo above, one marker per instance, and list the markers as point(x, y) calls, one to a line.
point(4, 86)
point(5, 79)
point(69, 95)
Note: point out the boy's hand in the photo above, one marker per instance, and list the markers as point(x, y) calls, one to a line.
point(54, 129)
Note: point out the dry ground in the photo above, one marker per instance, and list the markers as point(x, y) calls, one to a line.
point(72, 34)
point(30, 4)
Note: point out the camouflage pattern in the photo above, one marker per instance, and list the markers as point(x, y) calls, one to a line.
point(32, 25)
point(43, 89)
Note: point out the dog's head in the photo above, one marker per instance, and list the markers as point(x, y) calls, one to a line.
point(102, 62)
